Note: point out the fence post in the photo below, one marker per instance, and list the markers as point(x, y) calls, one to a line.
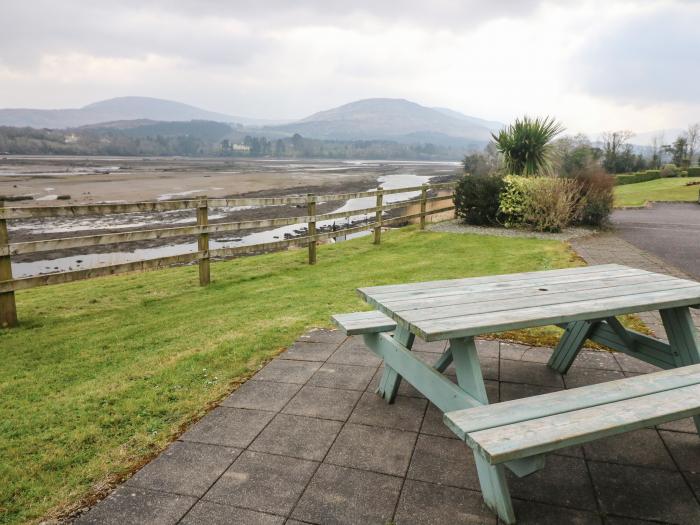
point(378, 216)
point(423, 205)
point(203, 241)
point(8, 307)
point(311, 212)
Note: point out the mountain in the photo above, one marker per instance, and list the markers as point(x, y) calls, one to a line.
point(392, 119)
point(117, 109)
point(489, 124)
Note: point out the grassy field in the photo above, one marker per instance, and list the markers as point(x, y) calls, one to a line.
point(102, 374)
point(671, 189)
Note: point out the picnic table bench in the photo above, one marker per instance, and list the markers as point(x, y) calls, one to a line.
point(586, 303)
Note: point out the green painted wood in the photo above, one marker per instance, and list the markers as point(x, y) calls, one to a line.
point(390, 381)
point(494, 488)
point(542, 435)
point(363, 322)
point(622, 333)
point(444, 394)
point(467, 294)
point(683, 338)
point(503, 278)
point(526, 466)
point(549, 302)
point(645, 348)
point(477, 324)
point(443, 361)
point(570, 345)
point(463, 422)
point(466, 360)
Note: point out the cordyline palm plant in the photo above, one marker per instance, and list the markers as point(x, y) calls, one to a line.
point(526, 145)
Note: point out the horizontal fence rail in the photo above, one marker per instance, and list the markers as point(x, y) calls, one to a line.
point(200, 231)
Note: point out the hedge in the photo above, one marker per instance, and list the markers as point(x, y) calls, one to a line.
point(694, 171)
point(640, 176)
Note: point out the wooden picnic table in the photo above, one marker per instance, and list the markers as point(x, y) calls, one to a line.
point(585, 301)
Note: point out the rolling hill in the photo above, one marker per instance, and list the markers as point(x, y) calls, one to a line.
point(117, 109)
point(392, 119)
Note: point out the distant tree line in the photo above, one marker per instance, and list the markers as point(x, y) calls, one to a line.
point(202, 138)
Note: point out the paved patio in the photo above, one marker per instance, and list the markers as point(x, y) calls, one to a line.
point(307, 441)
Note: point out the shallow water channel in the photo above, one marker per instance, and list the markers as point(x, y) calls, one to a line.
point(129, 221)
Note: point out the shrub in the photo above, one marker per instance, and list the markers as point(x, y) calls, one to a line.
point(543, 203)
point(526, 145)
point(633, 178)
point(595, 200)
point(477, 199)
point(513, 200)
point(683, 173)
point(694, 171)
point(670, 170)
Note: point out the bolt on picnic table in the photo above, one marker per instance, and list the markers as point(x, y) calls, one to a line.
point(586, 302)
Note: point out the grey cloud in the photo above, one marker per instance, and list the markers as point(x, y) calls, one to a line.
point(647, 59)
point(195, 29)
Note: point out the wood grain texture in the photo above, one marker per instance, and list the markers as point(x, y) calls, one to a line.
point(536, 407)
point(363, 322)
point(538, 436)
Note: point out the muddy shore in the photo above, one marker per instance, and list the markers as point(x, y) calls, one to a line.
point(161, 177)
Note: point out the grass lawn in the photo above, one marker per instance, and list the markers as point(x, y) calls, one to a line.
point(102, 374)
point(671, 189)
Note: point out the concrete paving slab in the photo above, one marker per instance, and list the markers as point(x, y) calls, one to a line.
point(324, 403)
point(263, 482)
point(648, 494)
point(185, 468)
point(443, 461)
point(230, 427)
point(261, 395)
point(336, 375)
point(642, 447)
point(406, 413)
point(343, 495)
point(297, 436)
point(383, 450)
point(137, 506)
point(309, 351)
point(209, 513)
point(286, 371)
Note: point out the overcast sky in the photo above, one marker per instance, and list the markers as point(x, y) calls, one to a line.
point(595, 65)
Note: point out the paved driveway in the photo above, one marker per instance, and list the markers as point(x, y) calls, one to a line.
point(669, 231)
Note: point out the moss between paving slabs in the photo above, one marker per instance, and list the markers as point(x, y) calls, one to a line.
point(659, 190)
point(102, 374)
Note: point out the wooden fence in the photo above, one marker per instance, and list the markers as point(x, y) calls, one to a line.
point(202, 229)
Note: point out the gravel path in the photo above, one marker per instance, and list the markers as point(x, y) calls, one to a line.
point(455, 226)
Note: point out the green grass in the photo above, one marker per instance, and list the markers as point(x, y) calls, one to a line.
point(670, 189)
point(102, 374)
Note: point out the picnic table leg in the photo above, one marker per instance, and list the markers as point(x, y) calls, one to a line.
point(494, 485)
point(683, 339)
point(570, 345)
point(466, 360)
point(494, 488)
point(390, 381)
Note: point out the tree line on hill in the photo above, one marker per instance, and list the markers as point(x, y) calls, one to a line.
point(205, 138)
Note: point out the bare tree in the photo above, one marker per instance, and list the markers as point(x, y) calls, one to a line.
point(693, 136)
point(657, 143)
point(616, 151)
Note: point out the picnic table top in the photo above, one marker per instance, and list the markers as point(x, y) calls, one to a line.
point(456, 308)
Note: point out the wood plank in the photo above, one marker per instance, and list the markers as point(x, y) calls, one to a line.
point(551, 301)
point(468, 325)
point(508, 412)
point(499, 278)
point(645, 348)
point(99, 271)
point(494, 291)
point(432, 384)
point(538, 436)
point(25, 212)
point(363, 322)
